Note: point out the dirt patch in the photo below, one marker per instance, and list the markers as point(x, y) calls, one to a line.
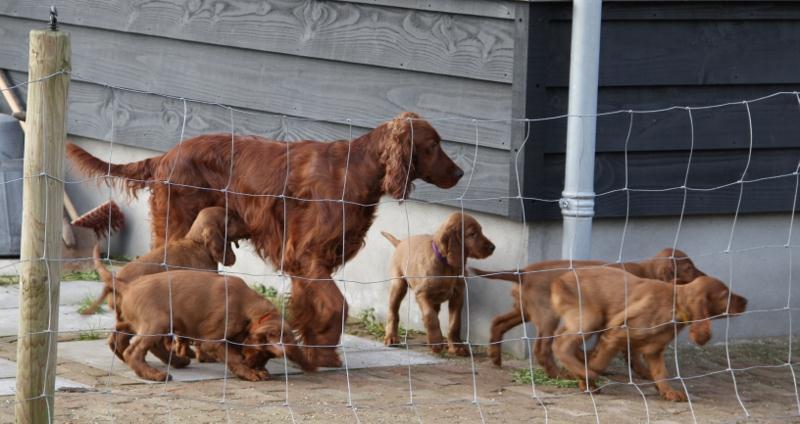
point(453, 391)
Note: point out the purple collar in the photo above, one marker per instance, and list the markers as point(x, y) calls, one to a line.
point(438, 254)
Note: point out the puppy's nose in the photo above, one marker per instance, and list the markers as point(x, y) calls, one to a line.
point(491, 247)
point(459, 173)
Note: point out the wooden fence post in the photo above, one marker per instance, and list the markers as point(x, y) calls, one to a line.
point(42, 204)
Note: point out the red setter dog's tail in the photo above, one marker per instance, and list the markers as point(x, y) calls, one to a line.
point(137, 175)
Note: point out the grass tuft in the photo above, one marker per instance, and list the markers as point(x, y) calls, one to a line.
point(121, 258)
point(90, 335)
point(371, 324)
point(523, 376)
point(82, 276)
point(9, 280)
point(376, 329)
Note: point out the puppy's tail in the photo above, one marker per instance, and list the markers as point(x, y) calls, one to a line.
point(512, 276)
point(392, 239)
point(111, 282)
point(136, 175)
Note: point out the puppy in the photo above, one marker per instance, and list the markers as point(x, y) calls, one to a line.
point(432, 266)
point(206, 244)
point(590, 300)
point(197, 305)
point(669, 265)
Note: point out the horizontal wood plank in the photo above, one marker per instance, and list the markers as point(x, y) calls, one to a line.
point(154, 122)
point(666, 170)
point(686, 53)
point(491, 8)
point(706, 11)
point(775, 121)
point(280, 84)
point(446, 44)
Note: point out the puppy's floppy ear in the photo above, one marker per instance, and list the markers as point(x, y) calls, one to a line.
point(450, 243)
point(215, 242)
point(665, 269)
point(700, 330)
point(397, 155)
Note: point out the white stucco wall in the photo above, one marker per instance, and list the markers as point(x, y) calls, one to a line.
point(760, 273)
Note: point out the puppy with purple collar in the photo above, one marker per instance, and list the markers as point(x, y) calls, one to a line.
point(432, 266)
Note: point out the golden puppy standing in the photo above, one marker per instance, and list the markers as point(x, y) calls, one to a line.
point(432, 265)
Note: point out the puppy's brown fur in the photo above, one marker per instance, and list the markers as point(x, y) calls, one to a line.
point(590, 300)
point(668, 265)
point(193, 305)
point(206, 244)
point(433, 279)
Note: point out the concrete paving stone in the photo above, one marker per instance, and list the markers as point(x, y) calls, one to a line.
point(8, 369)
point(69, 320)
point(8, 372)
point(95, 353)
point(362, 353)
point(8, 385)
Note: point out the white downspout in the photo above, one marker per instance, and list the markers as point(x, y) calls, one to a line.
point(577, 199)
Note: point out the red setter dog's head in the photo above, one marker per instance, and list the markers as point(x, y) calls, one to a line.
point(409, 138)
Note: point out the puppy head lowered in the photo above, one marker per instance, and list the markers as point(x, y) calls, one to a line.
point(463, 229)
point(264, 342)
point(675, 265)
point(709, 298)
point(409, 138)
point(211, 229)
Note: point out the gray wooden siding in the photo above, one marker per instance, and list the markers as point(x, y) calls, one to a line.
point(656, 55)
point(293, 70)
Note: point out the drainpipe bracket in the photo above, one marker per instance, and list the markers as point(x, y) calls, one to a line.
point(577, 204)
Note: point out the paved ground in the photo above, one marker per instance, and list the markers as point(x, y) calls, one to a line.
point(442, 392)
point(452, 390)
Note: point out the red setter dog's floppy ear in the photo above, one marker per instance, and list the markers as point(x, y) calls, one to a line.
point(215, 242)
point(396, 156)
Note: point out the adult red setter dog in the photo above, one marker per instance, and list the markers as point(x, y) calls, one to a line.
point(293, 186)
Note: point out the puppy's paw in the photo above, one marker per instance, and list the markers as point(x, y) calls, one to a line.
point(437, 348)
point(496, 355)
point(391, 340)
point(674, 396)
point(255, 375)
point(249, 375)
point(264, 375)
point(458, 350)
point(157, 375)
point(180, 361)
point(592, 387)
